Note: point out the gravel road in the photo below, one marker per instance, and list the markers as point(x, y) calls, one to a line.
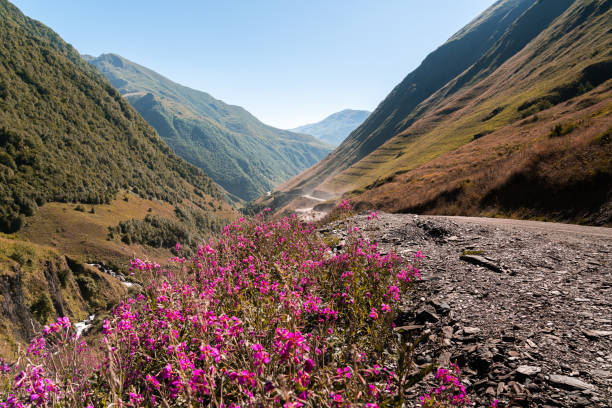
point(524, 307)
point(548, 227)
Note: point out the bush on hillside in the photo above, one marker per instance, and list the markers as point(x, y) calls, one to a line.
point(42, 308)
point(265, 315)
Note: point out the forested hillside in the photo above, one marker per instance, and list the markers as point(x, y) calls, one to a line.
point(67, 135)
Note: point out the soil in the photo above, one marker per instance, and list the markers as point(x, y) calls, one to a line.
point(524, 308)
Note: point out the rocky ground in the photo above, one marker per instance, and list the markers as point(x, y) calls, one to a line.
point(524, 308)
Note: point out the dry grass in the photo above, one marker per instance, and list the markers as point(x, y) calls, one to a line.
point(30, 267)
point(84, 234)
point(474, 178)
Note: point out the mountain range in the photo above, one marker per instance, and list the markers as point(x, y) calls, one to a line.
point(336, 127)
point(509, 117)
point(103, 160)
point(243, 155)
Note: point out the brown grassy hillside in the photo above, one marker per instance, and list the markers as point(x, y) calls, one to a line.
point(555, 165)
point(553, 60)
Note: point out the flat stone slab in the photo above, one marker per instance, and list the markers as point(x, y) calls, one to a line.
point(528, 370)
point(593, 334)
point(481, 261)
point(564, 381)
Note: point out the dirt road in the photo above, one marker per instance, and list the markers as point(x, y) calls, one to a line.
point(549, 227)
point(524, 307)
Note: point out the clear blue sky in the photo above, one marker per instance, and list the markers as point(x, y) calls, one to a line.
point(289, 62)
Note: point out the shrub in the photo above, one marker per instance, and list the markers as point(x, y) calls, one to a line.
point(64, 276)
point(603, 138)
point(153, 230)
point(42, 308)
point(266, 315)
point(342, 211)
point(87, 286)
point(22, 254)
point(561, 129)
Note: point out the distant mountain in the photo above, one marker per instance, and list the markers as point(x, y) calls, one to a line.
point(336, 127)
point(484, 123)
point(243, 155)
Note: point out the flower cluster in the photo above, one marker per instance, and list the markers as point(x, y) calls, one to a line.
point(449, 392)
point(345, 205)
point(55, 370)
point(265, 315)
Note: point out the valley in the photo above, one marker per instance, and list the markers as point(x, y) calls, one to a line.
point(241, 154)
point(452, 246)
point(465, 145)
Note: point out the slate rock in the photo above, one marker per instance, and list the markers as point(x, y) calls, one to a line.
point(481, 261)
point(471, 330)
point(528, 371)
point(426, 314)
point(563, 381)
point(595, 334)
point(481, 360)
point(441, 307)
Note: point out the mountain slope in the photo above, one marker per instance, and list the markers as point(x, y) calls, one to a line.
point(77, 162)
point(336, 127)
point(449, 60)
point(538, 56)
point(243, 155)
point(67, 135)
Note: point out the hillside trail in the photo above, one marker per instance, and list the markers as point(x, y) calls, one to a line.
point(307, 212)
point(524, 307)
point(309, 197)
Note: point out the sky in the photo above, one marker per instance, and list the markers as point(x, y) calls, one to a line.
point(288, 62)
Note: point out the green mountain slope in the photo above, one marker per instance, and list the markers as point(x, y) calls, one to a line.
point(67, 135)
point(336, 127)
point(83, 178)
point(517, 59)
point(243, 155)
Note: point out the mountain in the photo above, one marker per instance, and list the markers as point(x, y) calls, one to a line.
point(83, 178)
point(244, 156)
point(484, 123)
point(336, 127)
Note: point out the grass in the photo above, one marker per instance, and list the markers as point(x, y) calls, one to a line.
point(505, 174)
point(455, 130)
point(85, 234)
point(22, 264)
point(37, 278)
